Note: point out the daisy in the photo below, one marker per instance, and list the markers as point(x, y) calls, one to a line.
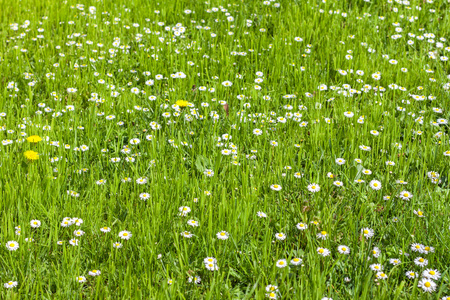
point(12, 245)
point(421, 262)
point(296, 261)
point(313, 188)
point(275, 187)
point(94, 272)
point(431, 274)
point(280, 236)
point(302, 226)
point(281, 263)
point(10, 284)
point(427, 285)
point(35, 223)
point(411, 274)
point(125, 235)
point(322, 235)
point(342, 249)
point(81, 279)
point(261, 214)
point(323, 251)
point(375, 185)
point(187, 234)
point(222, 235)
point(367, 232)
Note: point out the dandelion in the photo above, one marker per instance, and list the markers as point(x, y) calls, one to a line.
point(34, 139)
point(31, 155)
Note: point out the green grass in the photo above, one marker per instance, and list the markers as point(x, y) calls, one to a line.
point(65, 46)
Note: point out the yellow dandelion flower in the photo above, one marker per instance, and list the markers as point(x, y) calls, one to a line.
point(182, 103)
point(31, 155)
point(34, 139)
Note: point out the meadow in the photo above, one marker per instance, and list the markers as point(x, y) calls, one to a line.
point(224, 149)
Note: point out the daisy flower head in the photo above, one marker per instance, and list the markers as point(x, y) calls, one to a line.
point(81, 279)
point(313, 187)
point(376, 267)
point(261, 214)
point(375, 185)
point(411, 274)
point(302, 226)
point(10, 284)
point(421, 262)
point(323, 251)
point(276, 187)
point(427, 285)
point(342, 249)
point(296, 261)
point(381, 275)
point(35, 223)
point(431, 274)
point(95, 273)
point(322, 235)
point(280, 236)
point(105, 229)
point(222, 235)
point(367, 232)
point(125, 235)
point(405, 195)
point(281, 263)
point(12, 245)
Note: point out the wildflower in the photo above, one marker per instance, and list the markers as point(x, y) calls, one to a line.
point(35, 223)
point(323, 251)
point(381, 275)
point(117, 245)
point(105, 229)
point(187, 234)
point(12, 245)
point(342, 249)
point(261, 214)
point(195, 279)
point(405, 195)
point(31, 155)
point(395, 261)
point(431, 274)
point(411, 274)
point(376, 267)
point(182, 103)
point(275, 187)
point(73, 242)
point(95, 273)
point(427, 285)
point(296, 261)
point(81, 279)
point(192, 223)
point(125, 235)
point(375, 185)
point(10, 284)
point(34, 139)
point(313, 188)
point(421, 262)
point(280, 236)
point(322, 235)
point(302, 226)
point(281, 263)
point(367, 232)
point(222, 235)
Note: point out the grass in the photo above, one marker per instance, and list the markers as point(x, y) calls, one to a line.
point(75, 77)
